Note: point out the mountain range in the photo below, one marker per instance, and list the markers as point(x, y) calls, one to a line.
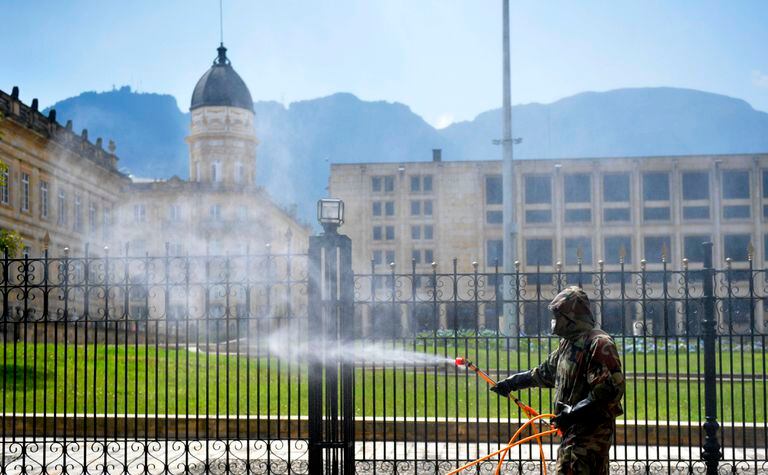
point(298, 142)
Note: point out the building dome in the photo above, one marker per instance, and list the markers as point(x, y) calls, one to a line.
point(221, 86)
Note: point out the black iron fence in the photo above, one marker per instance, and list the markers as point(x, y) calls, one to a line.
point(195, 364)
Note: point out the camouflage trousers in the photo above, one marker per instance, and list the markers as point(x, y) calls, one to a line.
point(585, 450)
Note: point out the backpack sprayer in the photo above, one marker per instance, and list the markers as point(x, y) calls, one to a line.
point(533, 416)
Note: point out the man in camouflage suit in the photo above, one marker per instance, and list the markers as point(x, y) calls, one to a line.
point(585, 372)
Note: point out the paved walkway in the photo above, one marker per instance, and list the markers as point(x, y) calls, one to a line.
point(283, 457)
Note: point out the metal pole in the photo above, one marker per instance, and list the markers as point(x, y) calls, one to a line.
point(331, 322)
point(511, 325)
point(711, 450)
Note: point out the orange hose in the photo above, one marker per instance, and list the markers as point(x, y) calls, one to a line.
point(519, 442)
point(533, 416)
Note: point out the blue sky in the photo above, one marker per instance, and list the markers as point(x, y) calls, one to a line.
point(440, 57)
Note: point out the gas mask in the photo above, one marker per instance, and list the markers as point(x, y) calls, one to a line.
point(571, 315)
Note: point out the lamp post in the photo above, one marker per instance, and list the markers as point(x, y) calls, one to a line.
point(330, 391)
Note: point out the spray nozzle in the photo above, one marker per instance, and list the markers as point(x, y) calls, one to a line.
point(460, 361)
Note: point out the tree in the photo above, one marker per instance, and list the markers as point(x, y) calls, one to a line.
point(10, 242)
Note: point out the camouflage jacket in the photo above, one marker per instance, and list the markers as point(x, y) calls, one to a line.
point(587, 364)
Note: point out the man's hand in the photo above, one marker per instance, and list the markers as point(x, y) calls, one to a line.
point(583, 412)
point(515, 382)
point(564, 418)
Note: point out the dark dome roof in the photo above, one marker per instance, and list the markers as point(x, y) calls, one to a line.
point(221, 86)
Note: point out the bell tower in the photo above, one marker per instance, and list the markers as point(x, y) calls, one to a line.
point(222, 139)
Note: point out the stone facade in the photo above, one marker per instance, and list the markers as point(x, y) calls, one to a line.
point(416, 218)
point(642, 205)
point(59, 184)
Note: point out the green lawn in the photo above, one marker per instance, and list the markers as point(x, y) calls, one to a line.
point(144, 379)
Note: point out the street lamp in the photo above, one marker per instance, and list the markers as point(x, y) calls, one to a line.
point(330, 214)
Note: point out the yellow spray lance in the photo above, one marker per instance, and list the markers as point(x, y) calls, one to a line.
point(532, 414)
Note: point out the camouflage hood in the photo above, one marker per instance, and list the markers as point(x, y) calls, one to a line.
point(571, 313)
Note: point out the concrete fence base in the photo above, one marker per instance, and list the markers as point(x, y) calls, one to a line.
point(652, 433)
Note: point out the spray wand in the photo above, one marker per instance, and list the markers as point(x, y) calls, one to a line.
point(528, 410)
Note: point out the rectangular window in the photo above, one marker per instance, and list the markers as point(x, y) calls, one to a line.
point(494, 217)
point(578, 215)
point(174, 213)
point(78, 213)
point(765, 184)
point(576, 246)
point(656, 213)
point(427, 208)
point(612, 215)
point(376, 211)
point(736, 246)
point(377, 257)
point(655, 246)
point(578, 188)
point(493, 190)
point(107, 222)
point(62, 209)
point(215, 212)
point(139, 213)
point(615, 246)
point(390, 233)
point(695, 212)
point(415, 232)
point(656, 186)
point(377, 233)
point(428, 231)
point(92, 217)
point(696, 185)
point(416, 256)
point(736, 212)
point(693, 247)
point(43, 199)
point(494, 252)
point(538, 216)
point(389, 208)
point(390, 255)
point(376, 183)
point(24, 191)
point(427, 183)
point(429, 256)
point(389, 184)
point(415, 208)
point(616, 188)
point(736, 184)
point(6, 186)
point(415, 183)
point(538, 190)
point(538, 252)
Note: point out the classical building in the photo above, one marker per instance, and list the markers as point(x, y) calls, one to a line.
point(59, 189)
point(570, 212)
point(62, 191)
point(220, 209)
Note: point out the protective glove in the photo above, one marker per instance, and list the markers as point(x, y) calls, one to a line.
point(516, 382)
point(583, 412)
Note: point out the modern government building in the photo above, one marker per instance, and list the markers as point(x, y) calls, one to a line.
point(582, 213)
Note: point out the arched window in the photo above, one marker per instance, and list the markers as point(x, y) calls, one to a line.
point(216, 171)
point(239, 172)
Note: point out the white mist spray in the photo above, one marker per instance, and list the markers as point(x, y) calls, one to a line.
point(284, 344)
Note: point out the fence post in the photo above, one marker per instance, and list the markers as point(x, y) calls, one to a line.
point(711, 449)
point(331, 319)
